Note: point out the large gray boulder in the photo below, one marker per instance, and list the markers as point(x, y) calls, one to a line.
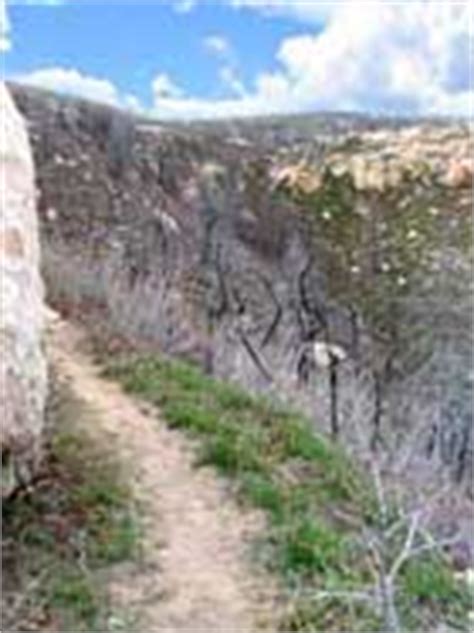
point(23, 379)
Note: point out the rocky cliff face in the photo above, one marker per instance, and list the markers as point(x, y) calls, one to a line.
point(23, 371)
point(334, 272)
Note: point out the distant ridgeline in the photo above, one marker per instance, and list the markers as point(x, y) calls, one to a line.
point(328, 264)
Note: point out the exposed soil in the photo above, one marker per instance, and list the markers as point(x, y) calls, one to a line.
point(195, 573)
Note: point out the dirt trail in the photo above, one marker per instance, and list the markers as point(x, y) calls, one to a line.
point(194, 576)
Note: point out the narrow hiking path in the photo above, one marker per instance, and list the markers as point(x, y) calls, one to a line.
point(194, 575)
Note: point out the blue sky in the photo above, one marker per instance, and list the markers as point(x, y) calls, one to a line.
point(131, 44)
point(197, 58)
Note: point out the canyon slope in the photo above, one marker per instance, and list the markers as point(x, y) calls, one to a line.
point(325, 261)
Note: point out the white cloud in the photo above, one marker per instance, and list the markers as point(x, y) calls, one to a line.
point(394, 57)
point(273, 87)
point(230, 79)
point(132, 103)
point(217, 44)
point(411, 58)
point(228, 73)
point(163, 87)
point(269, 97)
point(183, 6)
point(307, 11)
point(4, 28)
point(52, 3)
point(72, 82)
point(188, 108)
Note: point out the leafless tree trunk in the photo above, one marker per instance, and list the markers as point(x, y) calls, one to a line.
point(333, 394)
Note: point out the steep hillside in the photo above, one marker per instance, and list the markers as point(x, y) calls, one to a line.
point(333, 270)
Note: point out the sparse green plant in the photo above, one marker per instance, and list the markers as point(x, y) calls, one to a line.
point(59, 536)
point(319, 506)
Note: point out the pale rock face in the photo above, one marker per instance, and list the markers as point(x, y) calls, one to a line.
point(325, 354)
point(23, 378)
point(460, 173)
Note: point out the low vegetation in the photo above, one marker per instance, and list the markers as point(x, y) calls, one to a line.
point(62, 535)
point(318, 504)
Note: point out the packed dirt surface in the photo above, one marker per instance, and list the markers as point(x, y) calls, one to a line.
point(194, 573)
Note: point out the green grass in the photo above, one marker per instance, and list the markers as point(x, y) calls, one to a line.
point(428, 582)
point(60, 538)
point(299, 479)
point(73, 595)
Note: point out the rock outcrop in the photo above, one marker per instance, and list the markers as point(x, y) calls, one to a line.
point(23, 382)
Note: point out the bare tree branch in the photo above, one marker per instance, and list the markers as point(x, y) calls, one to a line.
point(278, 312)
point(408, 545)
point(254, 355)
